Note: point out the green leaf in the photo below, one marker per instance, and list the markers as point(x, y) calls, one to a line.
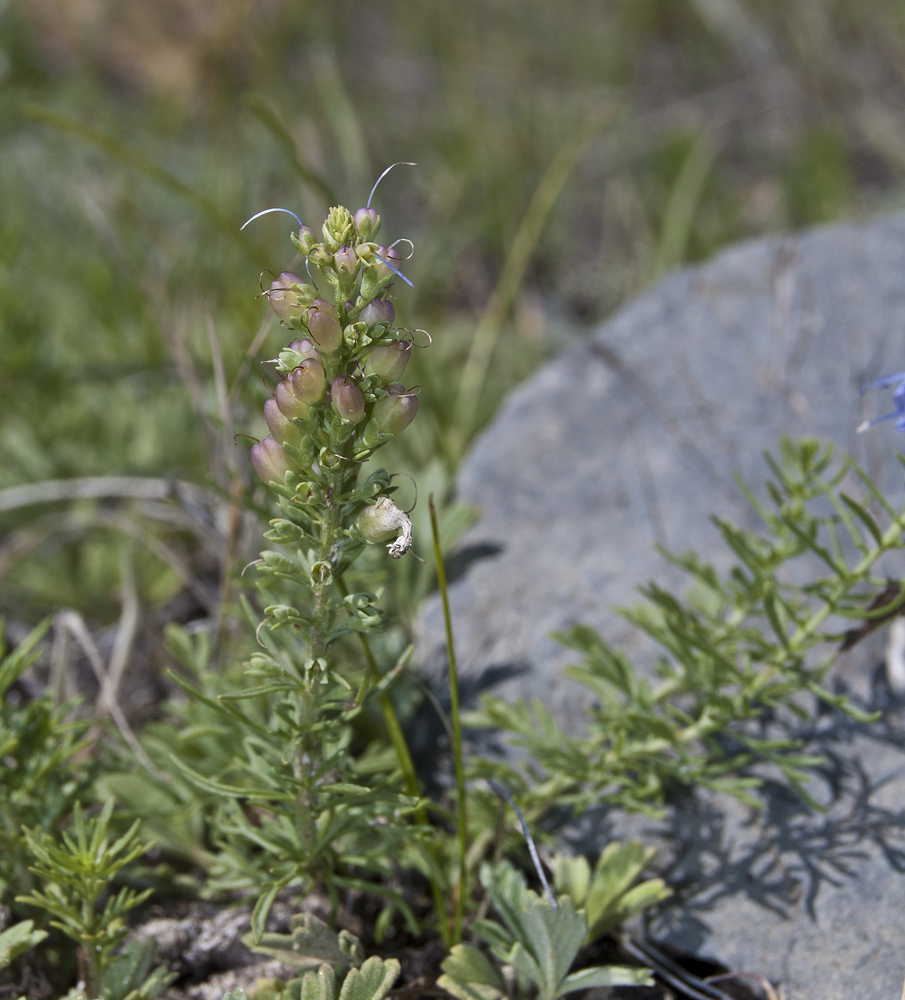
point(18, 939)
point(310, 943)
point(262, 908)
point(609, 975)
point(372, 981)
point(471, 975)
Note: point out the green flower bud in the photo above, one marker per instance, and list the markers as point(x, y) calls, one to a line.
point(323, 326)
point(338, 229)
point(378, 311)
point(307, 239)
point(366, 222)
point(282, 429)
point(389, 360)
point(304, 386)
point(396, 411)
point(270, 461)
point(347, 399)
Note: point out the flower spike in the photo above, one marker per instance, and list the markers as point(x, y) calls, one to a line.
point(898, 398)
point(400, 163)
point(267, 211)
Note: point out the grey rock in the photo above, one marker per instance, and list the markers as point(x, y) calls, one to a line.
point(631, 439)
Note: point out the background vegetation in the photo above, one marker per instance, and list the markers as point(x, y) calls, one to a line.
point(569, 153)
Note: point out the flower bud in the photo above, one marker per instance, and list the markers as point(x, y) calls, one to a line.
point(378, 311)
point(366, 222)
point(337, 229)
point(282, 429)
point(270, 461)
point(346, 260)
point(304, 348)
point(389, 360)
point(388, 254)
point(304, 386)
point(307, 238)
point(323, 326)
point(347, 399)
point(396, 411)
point(285, 301)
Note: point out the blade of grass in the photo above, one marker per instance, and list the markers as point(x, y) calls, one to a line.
point(272, 122)
point(523, 246)
point(153, 171)
point(340, 113)
point(682, 205)
point(461, 811)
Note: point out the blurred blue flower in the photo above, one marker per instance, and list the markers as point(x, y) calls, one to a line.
point(898, 397)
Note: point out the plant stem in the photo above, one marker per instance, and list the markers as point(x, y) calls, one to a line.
point(462, 814)
point(404, 756)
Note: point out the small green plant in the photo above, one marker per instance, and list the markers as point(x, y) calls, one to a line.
point(77, 874)
point(309, 944)
point(39, 780)
point(539, 939)
point(298, 808)
point(372, 981)
point(131, 976)
point(611, 893)
point(313, 945)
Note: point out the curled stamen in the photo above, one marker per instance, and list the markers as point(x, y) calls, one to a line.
point(400, 163)
point(395, 270)
point(430, 339)
point(308, 269)
point(404, 239)
point(414, 484)
point(267, 212)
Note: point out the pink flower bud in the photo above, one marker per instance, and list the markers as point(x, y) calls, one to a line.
point(305, 348)
point(378, 311)
point(285, 301)
point(323, 326)
point(304, 386)
point(346, 260)
point(347, 399)
point(366, 222)
point(270, 461)
point(396, 411)
point(388, 254)
point(282, 429)
point(389, 360)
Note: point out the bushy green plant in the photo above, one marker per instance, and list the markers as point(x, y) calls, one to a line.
point(539, 939)
point(39, 778)
point(77, 873)
point(739, 649)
